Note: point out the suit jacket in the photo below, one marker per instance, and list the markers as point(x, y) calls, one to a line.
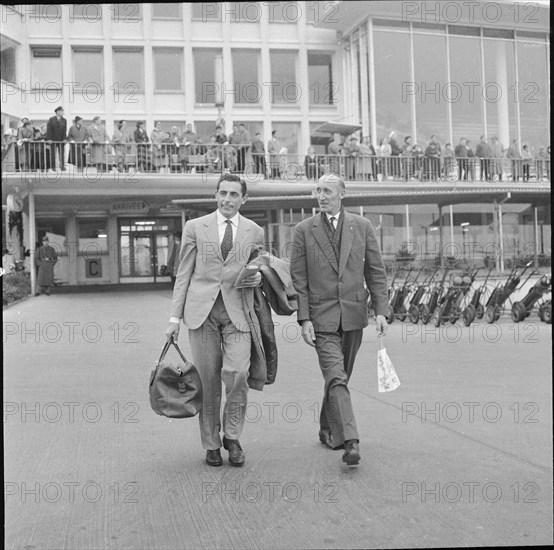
point(330, 294)
point(56, 130)
point(203, 273)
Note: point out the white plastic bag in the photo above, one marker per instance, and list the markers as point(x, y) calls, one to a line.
point(387, 379)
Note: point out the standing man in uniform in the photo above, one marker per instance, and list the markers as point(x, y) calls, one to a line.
point(45, 259)
point(335, 261)
point(215, 249)
point(56, 132)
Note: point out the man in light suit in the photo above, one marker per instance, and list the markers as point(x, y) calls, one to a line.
point(215, 248)
point(335, 261)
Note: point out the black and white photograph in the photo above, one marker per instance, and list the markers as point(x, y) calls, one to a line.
point(277, 275)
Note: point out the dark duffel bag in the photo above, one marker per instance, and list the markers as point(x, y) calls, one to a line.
point(175, 391)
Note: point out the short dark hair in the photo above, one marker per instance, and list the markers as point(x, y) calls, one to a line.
point(232, 177)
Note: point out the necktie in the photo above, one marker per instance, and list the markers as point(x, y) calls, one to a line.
point(227, 242)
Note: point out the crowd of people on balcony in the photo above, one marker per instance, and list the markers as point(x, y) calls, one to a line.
point(43, 149)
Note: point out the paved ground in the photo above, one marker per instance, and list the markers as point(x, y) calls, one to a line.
point(459, 455)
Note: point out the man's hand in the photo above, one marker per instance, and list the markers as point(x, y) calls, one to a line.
point(308, 333)
point(252, 281)
point(172, 330)
point(382, 326)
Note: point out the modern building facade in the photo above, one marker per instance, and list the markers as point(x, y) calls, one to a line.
point(415, 68)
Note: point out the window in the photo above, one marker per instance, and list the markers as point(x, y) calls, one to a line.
point(287, 135)
point(283, 77)
point(89, 12)
point(204, 75)
point(7, 63)
point(128, 69)
point(167, 11)
point(534, 94)
point(286, 12)
point(393, 110)
point(465, 101)
point(430, 76)
point(206, 11)
point(245, 71)
point(168, 64)
point(123, 13)
point(320, 78)
point(88, 67)
point(242, 12)
point(46, 68)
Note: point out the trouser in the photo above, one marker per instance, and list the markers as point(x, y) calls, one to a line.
point(60, 147)
point(337, 353)
point(221, 353)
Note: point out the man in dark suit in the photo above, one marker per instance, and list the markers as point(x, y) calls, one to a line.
point(56, 131)
point(334, 254)
point(214, 251)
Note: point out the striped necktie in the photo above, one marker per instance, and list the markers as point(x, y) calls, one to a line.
point(227, 242)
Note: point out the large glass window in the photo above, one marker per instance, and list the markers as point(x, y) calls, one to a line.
point(245, 72)
point(167, 69)
point(7, 63)
point(206, 11)
point(534, 94)
point(392, 98)
point(287, 135)
point(499, 89)
point(88, 67)
point(430, 83)
point(89, 12)
point(283, 77)
point(166, 11)
point(128, 69)
point(320, 78)
point(204, 75)
point(122, 13)
point(46, 67)
point(464, 89)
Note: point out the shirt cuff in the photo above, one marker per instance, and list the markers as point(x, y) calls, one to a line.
point(174, 320)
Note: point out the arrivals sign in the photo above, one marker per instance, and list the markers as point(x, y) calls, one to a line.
point(129, 207)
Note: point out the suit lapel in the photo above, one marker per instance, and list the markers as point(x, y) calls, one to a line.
point(212, 234)
point(322, 239)
point(242, 238)
point(347, 238)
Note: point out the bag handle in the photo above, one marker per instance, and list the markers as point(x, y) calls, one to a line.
point(166, 347)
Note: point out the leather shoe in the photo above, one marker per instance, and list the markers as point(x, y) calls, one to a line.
point(213, 457)
point(351, 452)
point(325, 438)
point(236, 454)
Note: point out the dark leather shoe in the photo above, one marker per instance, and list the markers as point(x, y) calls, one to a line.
point(351, 452)
point(325, 438)
point(213, 457)
point(236, 454)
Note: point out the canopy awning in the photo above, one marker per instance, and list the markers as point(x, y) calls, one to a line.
point(338, 128)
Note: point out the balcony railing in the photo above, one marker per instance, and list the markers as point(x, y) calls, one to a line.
point(173, 158)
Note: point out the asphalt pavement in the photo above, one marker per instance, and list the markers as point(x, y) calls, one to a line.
point(459, 455)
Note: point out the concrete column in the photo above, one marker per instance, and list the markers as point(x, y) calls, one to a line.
point(440, 237)
point(372, 103)
point(501, 76)
point(32, 240)
point(536, 251)
point(72, 238)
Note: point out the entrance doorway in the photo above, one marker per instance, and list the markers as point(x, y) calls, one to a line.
point(143, 248)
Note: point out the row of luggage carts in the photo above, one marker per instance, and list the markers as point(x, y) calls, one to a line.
point(448, 296)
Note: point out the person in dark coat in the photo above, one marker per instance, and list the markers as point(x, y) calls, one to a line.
point(77, 136)
point(56, 131)
point(45, 259)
